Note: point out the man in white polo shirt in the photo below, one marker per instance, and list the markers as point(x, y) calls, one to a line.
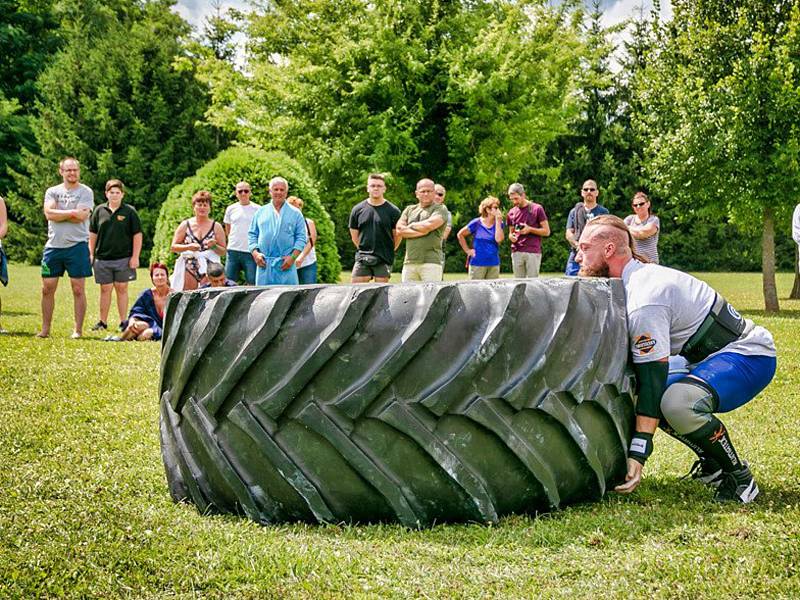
point(730, 359)
point(237, 221)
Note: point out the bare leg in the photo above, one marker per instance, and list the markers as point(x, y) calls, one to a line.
point(49, 287)
point(121, 288)
point(79, 299)
point(361, 279)
point(147, 334)
point(105, 300)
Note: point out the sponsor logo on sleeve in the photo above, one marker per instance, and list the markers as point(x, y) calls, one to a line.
point(644, 343)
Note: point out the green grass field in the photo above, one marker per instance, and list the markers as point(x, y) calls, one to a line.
point(85, 511)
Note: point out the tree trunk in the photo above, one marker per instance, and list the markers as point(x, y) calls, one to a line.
point(795, 295)
point(768, 262)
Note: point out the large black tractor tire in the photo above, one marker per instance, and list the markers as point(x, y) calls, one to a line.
point(415, 403)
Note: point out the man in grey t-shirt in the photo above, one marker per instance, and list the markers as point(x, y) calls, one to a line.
point(67, 208)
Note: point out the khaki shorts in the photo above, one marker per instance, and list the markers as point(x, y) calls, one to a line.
point(525, 264)
point(422, 272)
point(484, 272)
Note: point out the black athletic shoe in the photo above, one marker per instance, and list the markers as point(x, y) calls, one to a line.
point(706, 471)
point(122, 325)
point(737, 486)
point(99, 325)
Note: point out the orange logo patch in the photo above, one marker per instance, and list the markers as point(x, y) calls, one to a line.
point(120, 217)
point(717, 434)
point(644, 343)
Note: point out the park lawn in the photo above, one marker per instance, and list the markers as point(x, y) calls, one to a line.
point(85, 511)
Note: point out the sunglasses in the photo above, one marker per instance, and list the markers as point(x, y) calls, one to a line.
point(638, 204)
point(440, 194)
point(589, 189)
point(242, 191)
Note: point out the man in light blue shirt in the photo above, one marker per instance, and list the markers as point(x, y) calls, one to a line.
point(276, 237)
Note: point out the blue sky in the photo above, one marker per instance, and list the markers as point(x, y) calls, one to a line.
point(615, 10)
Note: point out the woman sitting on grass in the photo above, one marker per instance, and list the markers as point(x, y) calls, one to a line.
point(146, 319)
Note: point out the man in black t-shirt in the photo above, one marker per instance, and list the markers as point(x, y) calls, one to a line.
point(372, 229)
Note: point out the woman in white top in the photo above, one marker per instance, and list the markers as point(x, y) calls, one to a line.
point(644, 227)
point(307, 261)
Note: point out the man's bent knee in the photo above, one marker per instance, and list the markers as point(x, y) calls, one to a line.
point(687, 405)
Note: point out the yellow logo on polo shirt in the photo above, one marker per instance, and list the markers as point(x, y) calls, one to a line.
point(120, 217)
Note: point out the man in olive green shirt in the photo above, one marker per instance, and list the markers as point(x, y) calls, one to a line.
point(422, 226)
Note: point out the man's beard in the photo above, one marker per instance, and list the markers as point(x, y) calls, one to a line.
point(596, 272)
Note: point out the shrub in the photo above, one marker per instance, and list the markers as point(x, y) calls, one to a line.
point(220, 176)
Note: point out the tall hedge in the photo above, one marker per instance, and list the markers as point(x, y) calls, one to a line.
point(220, 176)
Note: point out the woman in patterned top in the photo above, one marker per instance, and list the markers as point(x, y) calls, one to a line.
point(198, 240)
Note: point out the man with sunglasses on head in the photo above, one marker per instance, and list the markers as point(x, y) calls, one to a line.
point(578, 217)
point(237, 220)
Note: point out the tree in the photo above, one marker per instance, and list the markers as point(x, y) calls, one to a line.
point(599, 141)
point(722, 119)
point(28, 37)
point(467, 92)
point(119, 98)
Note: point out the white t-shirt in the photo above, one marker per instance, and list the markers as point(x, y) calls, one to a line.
point(665, 307)
point(239, 217)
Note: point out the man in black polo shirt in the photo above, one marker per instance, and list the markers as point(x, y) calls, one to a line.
point(115, 241)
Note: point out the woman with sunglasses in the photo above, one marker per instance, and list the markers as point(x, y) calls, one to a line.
point(644, 227)
point(487, 230)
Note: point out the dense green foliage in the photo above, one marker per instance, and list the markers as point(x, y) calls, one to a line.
point(722, 125)
point(122, 97)
point(257, 167)
point(469, 93)
point(700, 112)
point(28, 38)
point(85, 511)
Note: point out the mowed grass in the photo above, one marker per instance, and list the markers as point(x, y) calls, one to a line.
point(85, 511)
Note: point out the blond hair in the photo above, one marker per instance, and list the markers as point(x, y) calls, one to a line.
point(483, 209)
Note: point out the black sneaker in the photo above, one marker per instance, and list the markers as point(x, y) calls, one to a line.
point(99, 325)
point(707, 471)
point(737, 486)
point(122, 325)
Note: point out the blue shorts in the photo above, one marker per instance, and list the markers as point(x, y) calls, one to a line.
point(735, 378)
point(74, 260)
point(572, 267)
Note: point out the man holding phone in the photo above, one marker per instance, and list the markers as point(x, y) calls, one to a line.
point(527, 224)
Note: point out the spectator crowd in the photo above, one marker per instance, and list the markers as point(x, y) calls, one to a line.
point(274, 244)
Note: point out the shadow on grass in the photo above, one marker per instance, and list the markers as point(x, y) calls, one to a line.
point(659, 509)
point(17, 313)
point(25, 334)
